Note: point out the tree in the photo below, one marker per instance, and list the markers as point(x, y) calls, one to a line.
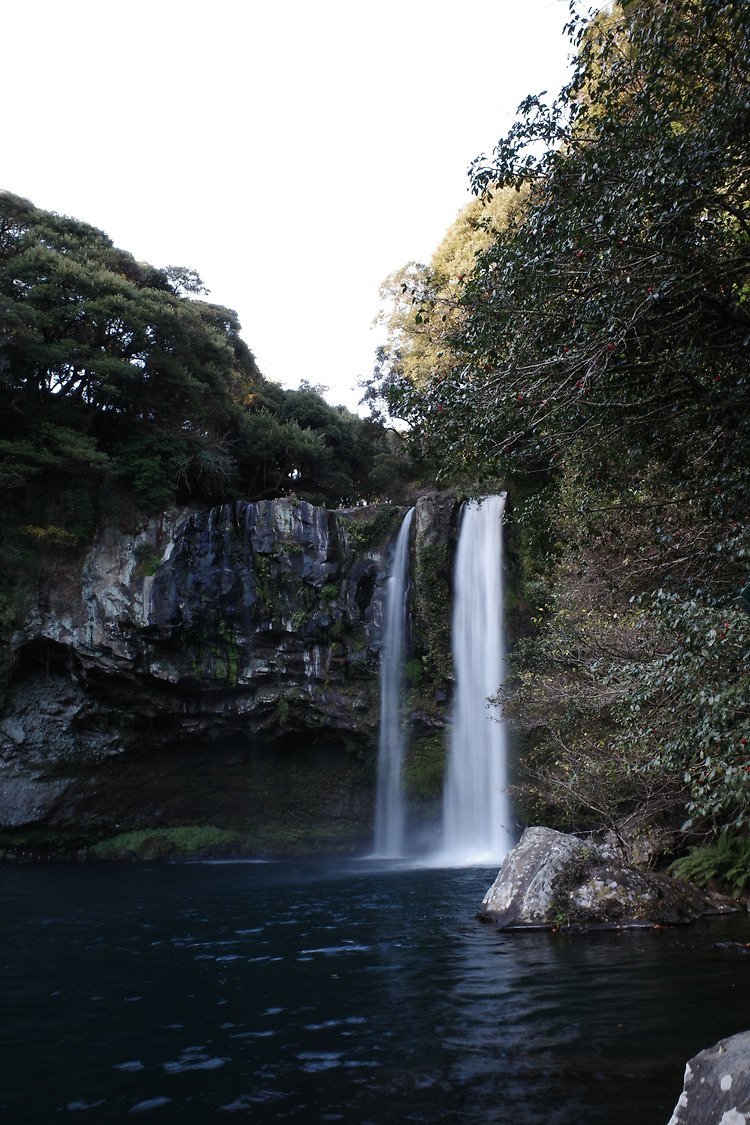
point(423, 308)
point(601, 346)
point(616, 304)
point(95, 344)
point(111, 367)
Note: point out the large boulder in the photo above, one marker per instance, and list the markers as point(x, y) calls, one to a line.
point(552, 879)
point(717, 1085)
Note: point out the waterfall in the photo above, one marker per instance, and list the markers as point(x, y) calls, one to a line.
point(390, 812)
point(476, 811)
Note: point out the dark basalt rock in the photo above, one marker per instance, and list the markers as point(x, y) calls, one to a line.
point(251, 630)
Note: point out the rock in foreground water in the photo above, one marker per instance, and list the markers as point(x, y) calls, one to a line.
point(717, 1085)
point(552, 879)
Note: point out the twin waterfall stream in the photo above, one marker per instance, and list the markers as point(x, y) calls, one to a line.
point(390, 810)
point(476, 813)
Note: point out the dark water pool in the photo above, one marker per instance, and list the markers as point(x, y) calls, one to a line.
point(351, 992)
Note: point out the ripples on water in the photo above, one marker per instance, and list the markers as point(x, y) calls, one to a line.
point(339, 992)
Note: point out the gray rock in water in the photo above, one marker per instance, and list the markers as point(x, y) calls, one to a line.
point(551, 879)
point(716, 1090)
point(525, 886)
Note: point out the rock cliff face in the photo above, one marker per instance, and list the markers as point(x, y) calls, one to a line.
point(215, 667)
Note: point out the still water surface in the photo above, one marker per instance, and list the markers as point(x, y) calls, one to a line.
point(346, 991)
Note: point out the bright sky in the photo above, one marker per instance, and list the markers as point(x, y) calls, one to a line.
point(292, 152)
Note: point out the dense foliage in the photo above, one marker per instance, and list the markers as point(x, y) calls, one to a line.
point(599, 360)
point(114, 371)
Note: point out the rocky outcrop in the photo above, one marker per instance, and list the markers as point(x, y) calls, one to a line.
point(551, 879)
point(716, 1090)
point(204, 666)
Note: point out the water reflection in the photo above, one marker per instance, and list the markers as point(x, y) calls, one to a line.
point(357, 992)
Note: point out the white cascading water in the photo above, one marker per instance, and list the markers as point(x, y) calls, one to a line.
point(390, 810)
point(476, 809)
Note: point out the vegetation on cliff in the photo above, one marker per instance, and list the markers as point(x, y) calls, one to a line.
point(594, 355)
point(124, 391)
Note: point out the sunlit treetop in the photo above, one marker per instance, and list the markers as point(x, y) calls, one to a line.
point(615, 299)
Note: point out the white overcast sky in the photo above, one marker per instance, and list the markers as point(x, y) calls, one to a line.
point(293, 152)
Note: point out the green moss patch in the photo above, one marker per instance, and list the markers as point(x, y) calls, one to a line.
point(178, 842)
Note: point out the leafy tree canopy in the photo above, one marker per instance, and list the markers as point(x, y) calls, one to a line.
point(614, 303)
point(113, 374)
point(423, 304)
